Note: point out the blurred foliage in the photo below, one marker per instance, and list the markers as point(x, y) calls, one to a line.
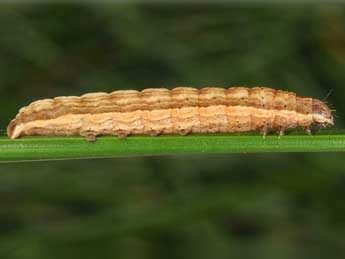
point(249, 206)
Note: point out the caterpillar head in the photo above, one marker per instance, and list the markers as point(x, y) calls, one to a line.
point(322, 115)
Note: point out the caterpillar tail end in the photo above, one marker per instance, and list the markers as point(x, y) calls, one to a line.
point(13, 130)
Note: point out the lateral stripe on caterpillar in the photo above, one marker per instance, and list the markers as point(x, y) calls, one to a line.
point(178, 111)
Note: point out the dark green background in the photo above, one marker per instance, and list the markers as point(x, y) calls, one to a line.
point(200, 206)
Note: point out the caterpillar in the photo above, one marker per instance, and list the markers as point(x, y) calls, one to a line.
point(181, 110)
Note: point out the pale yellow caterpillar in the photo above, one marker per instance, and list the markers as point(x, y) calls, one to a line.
point(181, 110)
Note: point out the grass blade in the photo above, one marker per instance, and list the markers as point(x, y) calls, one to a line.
point(56, 148)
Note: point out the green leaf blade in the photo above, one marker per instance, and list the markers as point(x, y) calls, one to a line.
point(55, 148)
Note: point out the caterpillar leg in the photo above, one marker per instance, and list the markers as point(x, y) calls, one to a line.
point(154, 133)
point(264, 131)
point(307, 130)
point(90, 137)
point(121, 134)
point(281, 132)
point(184, 132)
